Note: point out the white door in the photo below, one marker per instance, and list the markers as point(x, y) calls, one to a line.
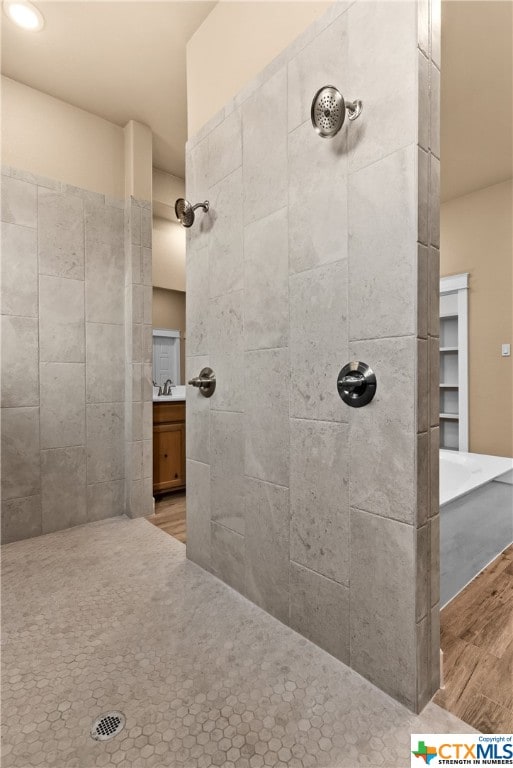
point(166, 356)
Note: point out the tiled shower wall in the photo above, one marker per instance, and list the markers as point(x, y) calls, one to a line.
point(63, 356)
point(307, 259)
point(138, 357)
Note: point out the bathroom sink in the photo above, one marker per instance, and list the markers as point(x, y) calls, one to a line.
point(177, 394)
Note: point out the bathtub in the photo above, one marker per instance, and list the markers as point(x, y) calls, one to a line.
point(461, 472)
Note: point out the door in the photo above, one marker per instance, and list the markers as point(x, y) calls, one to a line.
point(166, 356)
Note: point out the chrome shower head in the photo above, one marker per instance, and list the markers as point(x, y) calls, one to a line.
point(328, 111)
point(184, 211)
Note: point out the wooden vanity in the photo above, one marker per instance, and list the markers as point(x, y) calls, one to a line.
point(168, 446)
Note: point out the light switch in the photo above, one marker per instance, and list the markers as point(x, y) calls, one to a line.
point(506, 350)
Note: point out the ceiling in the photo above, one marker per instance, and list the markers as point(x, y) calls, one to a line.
point(120, 60)
point(477, 95)
point(126, 60)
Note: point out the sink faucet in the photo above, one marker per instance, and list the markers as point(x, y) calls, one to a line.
point(166, 389)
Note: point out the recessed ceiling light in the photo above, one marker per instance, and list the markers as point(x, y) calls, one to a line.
point(24, 15)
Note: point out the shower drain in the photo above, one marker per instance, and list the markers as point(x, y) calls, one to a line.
point(107, 726)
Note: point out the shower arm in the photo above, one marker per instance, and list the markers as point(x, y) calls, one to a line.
point(205, 206)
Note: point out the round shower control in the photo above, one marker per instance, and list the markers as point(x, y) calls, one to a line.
point(356, 384)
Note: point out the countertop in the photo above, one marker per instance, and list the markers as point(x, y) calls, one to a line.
point(177, 396)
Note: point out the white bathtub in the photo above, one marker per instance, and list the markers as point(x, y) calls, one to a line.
point(462, 472)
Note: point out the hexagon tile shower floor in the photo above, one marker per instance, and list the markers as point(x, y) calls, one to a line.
point(111, 616)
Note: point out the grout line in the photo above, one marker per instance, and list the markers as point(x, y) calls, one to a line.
point(411, 525)
point(321, 575)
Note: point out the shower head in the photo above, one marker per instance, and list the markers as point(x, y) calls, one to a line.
point(185, 211)
point(329, 111)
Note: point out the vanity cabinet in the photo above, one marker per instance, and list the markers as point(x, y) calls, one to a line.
point(168, 446)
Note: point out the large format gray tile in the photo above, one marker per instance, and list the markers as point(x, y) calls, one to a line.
point(423, 279)
point(21, 519)
point(61, 320)
point(434, 380)
point(104, 286)
point(198, 514)
point(105, 369)
point(423, 195)
point(318, 341)
point(434, 471)
point(198, 415)
point(317, 198)
point(319, 610)
point(433, 291)
point(264, 148)
point(322, 61)
point(266, 553)
point(422, 463)
point(386, 82)
point(434, 559)
point(20, 453)
point(228, 556)
point(422, 574)
point(105, 442)
point(197, 165)
point(383, 643)
point(266, 415)
point(227, 469)
point(60, 234)
point(20, 361)
point(19, 270)
point(266, 293)
point(225, 148)
point(63, 483)
point(422, 385)
point(424, 106)
point(104, 224)
point(62, 404)
point(319, 497)
point(435, 111)
point(226, 236)
point(146, 228)
point(19, 202)
point(197, 185)
point(382, 257)
point(198, 293)
point(226, 345)
point(434, 201)
point(382, 435)
point(105, 500)
point(134, 219)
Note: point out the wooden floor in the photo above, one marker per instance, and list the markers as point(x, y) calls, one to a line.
point(477, 642)
point(170, 515)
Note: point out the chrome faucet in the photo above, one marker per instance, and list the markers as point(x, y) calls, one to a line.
point(167, 388)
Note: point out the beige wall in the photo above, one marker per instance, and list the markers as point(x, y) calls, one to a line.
point(169, 312)
point(138, 160)
point(476, 237)
point(234, 43)
point(47, 136)
point(166, 189)
point(168, 255)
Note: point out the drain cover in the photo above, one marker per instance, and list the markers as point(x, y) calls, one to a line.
point(107, 726)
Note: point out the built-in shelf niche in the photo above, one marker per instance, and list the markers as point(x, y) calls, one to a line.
point(454, 362)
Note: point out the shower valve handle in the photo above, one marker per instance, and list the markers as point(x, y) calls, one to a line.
point(351, 381)
point(356, 384)
point(205, 382)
